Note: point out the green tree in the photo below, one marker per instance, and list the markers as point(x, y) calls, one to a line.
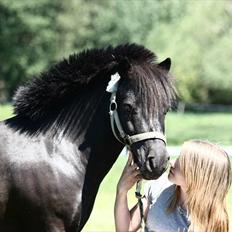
point(195, 34)
point(102, 22)
point(198, 40)
point(28, 39)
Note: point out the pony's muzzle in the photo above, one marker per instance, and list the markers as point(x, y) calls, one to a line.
point(153, 169)
point(152, 158)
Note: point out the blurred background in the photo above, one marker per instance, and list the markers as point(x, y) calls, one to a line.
point(195, 34)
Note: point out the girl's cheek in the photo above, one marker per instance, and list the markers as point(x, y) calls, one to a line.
point(176, 178)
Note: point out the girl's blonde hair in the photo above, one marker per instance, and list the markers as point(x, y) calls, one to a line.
point(207, 171)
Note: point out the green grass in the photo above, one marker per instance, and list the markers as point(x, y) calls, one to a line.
point(6, 111)
point(216, 127)
point(102, 217)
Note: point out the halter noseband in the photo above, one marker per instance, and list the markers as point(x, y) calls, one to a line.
point(114, 119)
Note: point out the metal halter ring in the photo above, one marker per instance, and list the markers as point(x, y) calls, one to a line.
point(113, 105)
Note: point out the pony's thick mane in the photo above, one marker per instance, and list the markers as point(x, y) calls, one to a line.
point(50, 89)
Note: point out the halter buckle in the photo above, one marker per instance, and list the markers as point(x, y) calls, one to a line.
point(127, 140)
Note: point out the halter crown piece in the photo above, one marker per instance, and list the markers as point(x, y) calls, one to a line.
point(124, 138)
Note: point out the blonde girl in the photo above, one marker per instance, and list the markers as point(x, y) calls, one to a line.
point(191, 198)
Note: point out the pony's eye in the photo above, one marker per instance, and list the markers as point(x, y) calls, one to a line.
point(127, 108)
point(128, 111)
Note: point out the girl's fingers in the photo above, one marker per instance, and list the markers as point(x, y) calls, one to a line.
point(130, 159)
point(136, 173)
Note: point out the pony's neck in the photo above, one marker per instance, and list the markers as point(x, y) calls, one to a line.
point(79, 114)
point(98, 141)
point(104, 149)
point(86, 122)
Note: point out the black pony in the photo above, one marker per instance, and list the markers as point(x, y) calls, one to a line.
point(59, 146)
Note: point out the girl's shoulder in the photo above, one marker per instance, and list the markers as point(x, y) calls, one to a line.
point(153, 188)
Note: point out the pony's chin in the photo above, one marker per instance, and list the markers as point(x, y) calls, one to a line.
point(150, 176)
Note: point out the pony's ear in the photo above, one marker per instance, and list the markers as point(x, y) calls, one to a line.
point(166, 64)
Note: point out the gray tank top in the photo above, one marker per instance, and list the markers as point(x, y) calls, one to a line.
point(158, 193)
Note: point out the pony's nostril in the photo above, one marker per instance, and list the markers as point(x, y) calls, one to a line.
point(151, 163)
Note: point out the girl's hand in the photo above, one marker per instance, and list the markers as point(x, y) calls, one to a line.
point(129, 177)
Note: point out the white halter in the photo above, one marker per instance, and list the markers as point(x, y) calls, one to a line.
point(114, 118)
point(125, 138)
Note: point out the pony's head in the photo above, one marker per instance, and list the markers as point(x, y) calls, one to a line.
point(74, 88)
point(145, 94)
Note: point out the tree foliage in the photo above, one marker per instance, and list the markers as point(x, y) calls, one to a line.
point(28, 41)
point(199, 41)
point(195, 34)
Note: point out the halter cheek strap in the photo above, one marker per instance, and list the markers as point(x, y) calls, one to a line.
point(124, 138)
point(114, 119)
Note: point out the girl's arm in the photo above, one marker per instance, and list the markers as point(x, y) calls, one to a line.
point(125, 219)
